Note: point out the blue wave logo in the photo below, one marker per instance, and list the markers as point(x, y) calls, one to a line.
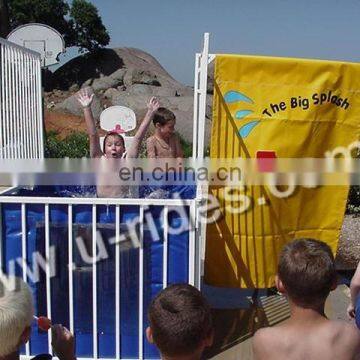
point(236, 96)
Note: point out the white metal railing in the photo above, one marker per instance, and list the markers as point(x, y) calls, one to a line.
point(166, 204)
point(21, 117)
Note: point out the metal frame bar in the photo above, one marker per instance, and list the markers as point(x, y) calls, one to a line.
point(24, 256)
point(28, 103)
point(2, 96)
point(196, 106)
point(97, 201)
point(141, 283)
point(33, 107)
point(7, 104)
point(117, 282)
point(17, 107)
point(202, 60)
point(192, 244)
point(22, 112)
point(48, 270)
point(94, 284)
point(71, 268)
point(1, 242)
point(12, 104)
point(40, 120)
point(165, 246)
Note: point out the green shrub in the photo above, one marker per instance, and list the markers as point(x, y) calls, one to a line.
point(75, 145)
point(187, 147)
point(353, 203)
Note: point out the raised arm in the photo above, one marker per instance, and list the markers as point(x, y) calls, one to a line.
point(85, 100)
point(152, 106)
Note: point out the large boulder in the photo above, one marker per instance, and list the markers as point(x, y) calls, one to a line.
point(71, 105)
point(123, 76)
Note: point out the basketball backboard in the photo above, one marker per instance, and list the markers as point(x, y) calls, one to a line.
point(40, 38)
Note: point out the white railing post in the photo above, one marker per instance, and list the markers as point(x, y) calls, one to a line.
point(71, 268)
point(196, 106)
point(21, 114)
point(117, 282)
point(94, 283)
point(141, 282)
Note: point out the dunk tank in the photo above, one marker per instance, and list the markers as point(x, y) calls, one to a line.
point(98, 283)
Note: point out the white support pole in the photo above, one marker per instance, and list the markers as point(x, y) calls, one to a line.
point(12, 104)
point(192, 250)
point(204, 60)
point(1, 242)
point(16, 110)
point(165, 246)
point(48, 271)
point(33, 106)
point(71, 267)
point(39, 113)
point(141, 283)
point(94, 284)
point(7, 103)
point(196, 106)
point(26, 107)
point(23, 256)
point(117, 282)
point(22, 107)
point(2, 99)
point(198, 245)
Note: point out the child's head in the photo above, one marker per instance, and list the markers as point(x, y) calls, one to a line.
point(16, 314)
point(114, 145)
point(164, 121)
point(180, 322)
point(306, 272)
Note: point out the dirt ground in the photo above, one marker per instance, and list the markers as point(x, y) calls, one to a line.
point(62, 123)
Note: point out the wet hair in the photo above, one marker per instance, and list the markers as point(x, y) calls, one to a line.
point(163, 116)
point(180, 320)
point(307, 271)
point(113, 133)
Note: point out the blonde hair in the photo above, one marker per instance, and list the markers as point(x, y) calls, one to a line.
point(16, 312)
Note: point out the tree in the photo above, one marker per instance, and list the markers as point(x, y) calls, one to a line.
point(87, 27)
point(4, 18)
point(80, 23)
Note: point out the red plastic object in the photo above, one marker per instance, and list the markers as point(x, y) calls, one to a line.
point(44, 323)
point(266, 160)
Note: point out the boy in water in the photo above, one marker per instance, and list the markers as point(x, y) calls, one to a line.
point(306, 275)
point(164, 143)
point(180, 323)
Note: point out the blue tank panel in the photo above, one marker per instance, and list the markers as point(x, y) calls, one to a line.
point(82, 273)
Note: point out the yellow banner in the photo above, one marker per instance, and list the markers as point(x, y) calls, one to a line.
point(292, 108)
